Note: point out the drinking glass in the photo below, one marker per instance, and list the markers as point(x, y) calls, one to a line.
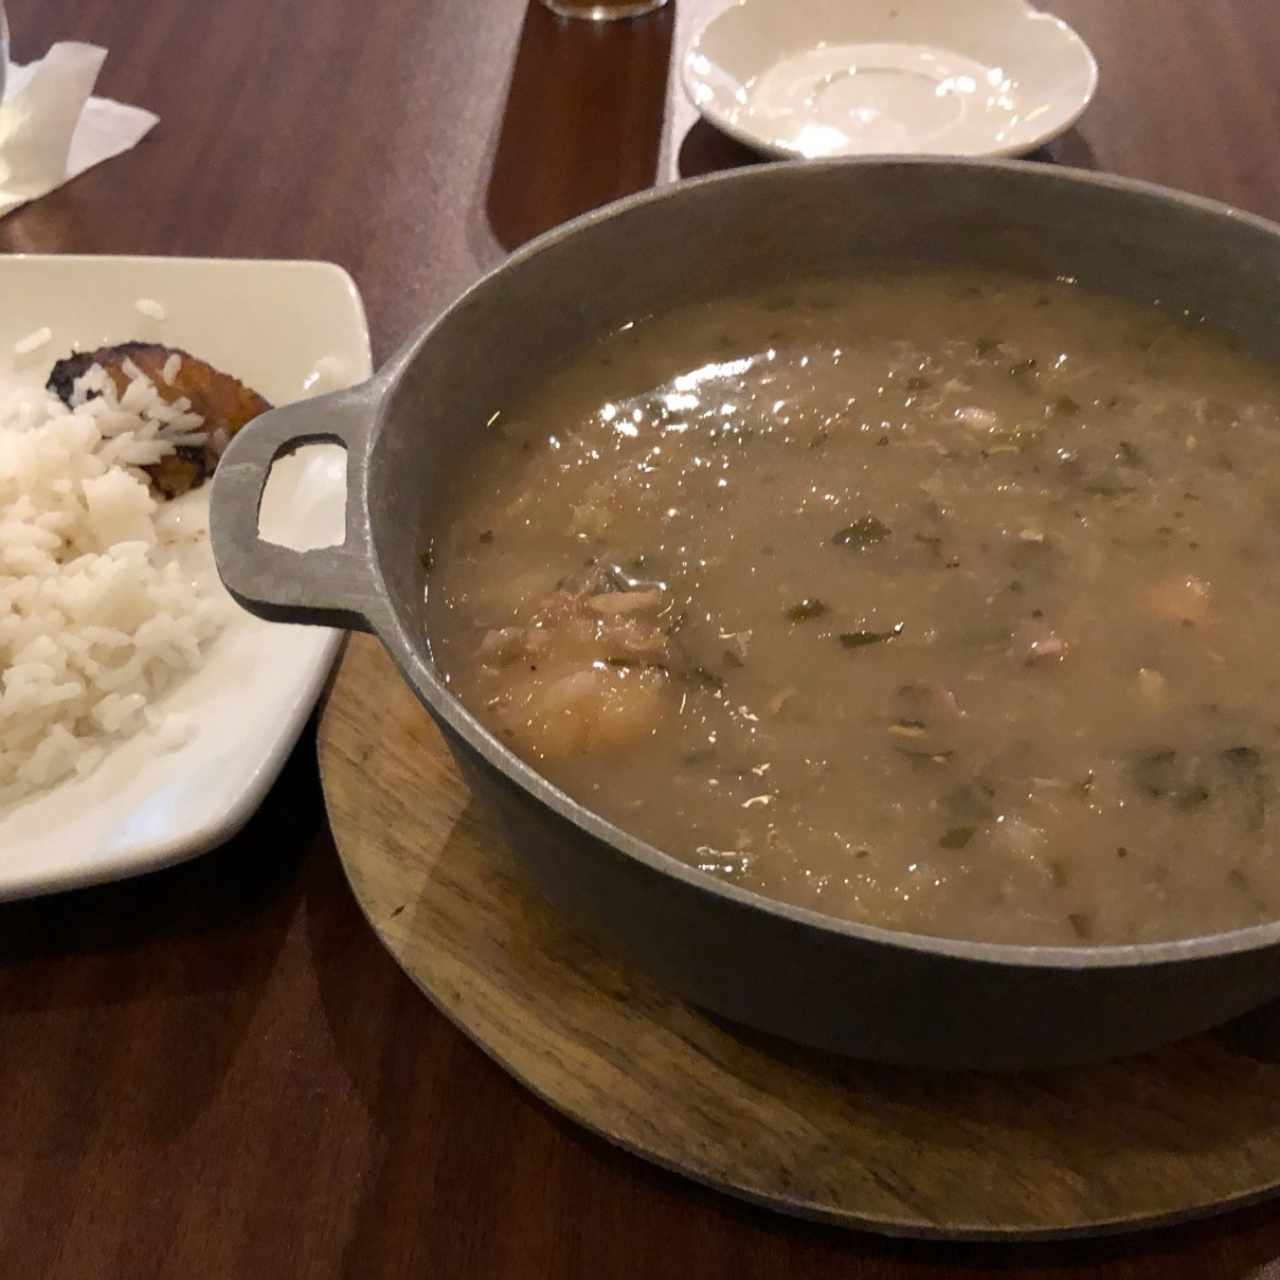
point(602, 10)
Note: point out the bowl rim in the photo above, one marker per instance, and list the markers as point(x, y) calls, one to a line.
point(410, 653)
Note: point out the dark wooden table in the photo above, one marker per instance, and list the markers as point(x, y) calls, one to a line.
point(216, 1071)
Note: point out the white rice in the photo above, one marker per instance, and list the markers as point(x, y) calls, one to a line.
point(33, 342)
point(99, 616)
point(150, 308)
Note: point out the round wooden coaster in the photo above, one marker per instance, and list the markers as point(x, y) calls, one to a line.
point(1189, 1131)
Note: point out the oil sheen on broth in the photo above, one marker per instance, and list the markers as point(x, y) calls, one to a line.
point(945, 603)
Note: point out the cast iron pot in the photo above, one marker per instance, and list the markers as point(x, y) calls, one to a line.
point(852, 988)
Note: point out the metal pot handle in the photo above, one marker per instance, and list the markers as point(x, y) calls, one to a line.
point(330, 586)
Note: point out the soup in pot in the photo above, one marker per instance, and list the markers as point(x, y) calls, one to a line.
point(943, 602)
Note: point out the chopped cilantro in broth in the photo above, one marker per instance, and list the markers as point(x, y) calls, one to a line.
point(914, 601)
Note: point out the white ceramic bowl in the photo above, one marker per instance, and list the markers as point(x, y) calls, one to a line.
point(941, 77)
point(289, 329)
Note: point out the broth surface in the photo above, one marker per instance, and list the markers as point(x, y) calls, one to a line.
point(943, 602)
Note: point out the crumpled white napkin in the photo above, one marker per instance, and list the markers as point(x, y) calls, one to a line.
point(51, 130)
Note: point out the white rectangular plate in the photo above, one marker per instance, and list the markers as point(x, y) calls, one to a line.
point(272, 325)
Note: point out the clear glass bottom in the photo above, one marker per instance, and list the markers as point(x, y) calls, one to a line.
point(602, 10)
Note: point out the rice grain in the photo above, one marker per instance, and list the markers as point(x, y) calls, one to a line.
point(33, 342)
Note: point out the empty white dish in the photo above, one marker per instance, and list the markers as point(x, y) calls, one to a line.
point(942, 77)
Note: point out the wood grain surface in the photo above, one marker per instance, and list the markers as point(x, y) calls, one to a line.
point(218, 1070)
point(1160, 1137)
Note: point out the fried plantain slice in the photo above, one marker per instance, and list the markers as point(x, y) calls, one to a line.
point(224, 403)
